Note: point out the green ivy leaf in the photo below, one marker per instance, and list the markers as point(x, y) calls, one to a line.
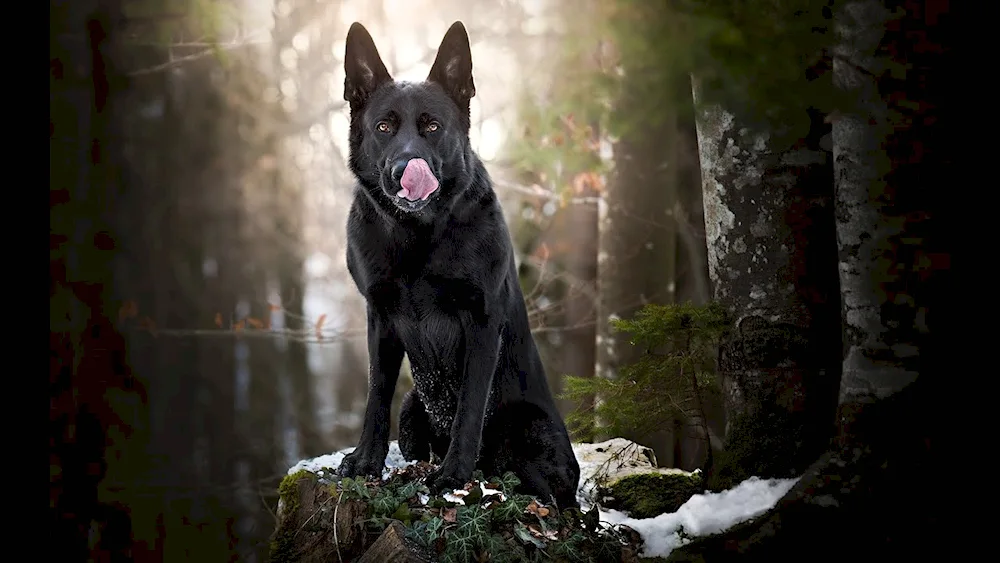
point(354, 488)
point(509, 482)
point(403, 514)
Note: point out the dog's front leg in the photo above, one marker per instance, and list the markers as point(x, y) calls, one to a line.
point(481, 351)
point(385, 352)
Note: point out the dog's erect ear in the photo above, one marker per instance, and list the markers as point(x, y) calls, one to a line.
point(364, 67)
point(453, 66)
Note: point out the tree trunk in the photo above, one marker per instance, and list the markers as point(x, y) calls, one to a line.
point(877, 231)
point(311, 442)
point(771, 253)
point(693, 433)
point(637, 247)
point(577, 349)
point(871, 493)
point(95, 400)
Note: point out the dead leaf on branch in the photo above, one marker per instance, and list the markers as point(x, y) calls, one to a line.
point(128, 310)
point(542, 252)
point(148, 324)
point(319, 326)
point(587, 180)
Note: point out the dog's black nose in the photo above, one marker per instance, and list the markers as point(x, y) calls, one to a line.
point(398, 168)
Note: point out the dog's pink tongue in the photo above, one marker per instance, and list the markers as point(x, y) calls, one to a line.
point(418, 181)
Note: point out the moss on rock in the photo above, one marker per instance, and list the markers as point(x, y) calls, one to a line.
point(649, 494)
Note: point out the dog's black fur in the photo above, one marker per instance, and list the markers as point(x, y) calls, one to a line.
point(441, 286)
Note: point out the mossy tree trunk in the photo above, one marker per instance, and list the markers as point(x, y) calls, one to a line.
point(876, 490)
point(772, 255)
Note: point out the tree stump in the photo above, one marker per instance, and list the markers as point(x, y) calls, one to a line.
point(314, 525)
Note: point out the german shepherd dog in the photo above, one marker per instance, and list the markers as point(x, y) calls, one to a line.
point(428, 248)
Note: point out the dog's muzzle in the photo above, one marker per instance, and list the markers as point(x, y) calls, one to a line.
point(415, 179)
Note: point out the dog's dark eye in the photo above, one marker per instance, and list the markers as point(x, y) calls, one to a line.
point(432, 126)
point(382, 126)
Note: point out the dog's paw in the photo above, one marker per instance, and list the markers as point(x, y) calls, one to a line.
point(361, 463)
point(447, 478)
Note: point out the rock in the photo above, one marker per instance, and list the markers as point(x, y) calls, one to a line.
point(617, 458)
point(607, 464)
point(645, 495)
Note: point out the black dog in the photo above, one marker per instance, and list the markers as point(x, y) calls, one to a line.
point(429, 250)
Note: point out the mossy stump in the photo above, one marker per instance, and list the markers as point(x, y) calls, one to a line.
point(315, 524)
point(398, 520)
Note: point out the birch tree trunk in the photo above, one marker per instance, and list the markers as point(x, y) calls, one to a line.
point(882, 320)
point(771, 254)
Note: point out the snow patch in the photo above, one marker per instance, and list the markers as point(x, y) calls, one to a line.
point(703, 514)
point(326, 465)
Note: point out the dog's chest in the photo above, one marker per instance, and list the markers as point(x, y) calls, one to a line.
point(437, 391)
point(429, 326)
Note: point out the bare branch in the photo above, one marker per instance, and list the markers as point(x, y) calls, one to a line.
point(209, 50)
point(305, 335)
point(542, 193)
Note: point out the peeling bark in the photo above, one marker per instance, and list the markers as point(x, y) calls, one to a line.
point(875, 228)
point(771, 250)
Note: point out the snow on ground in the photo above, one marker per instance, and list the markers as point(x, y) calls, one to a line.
point(325, 464)
point(701, 515)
